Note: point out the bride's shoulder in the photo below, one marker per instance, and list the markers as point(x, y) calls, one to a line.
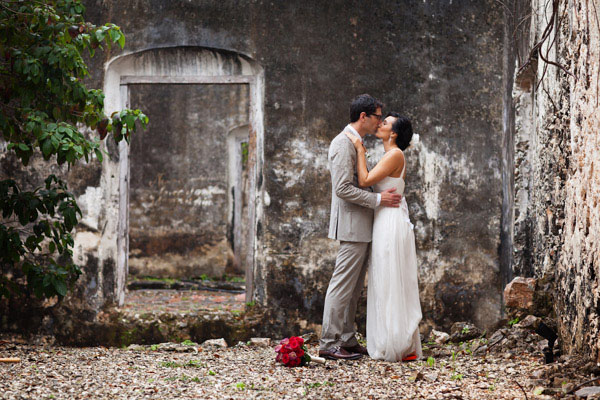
point(395, 154)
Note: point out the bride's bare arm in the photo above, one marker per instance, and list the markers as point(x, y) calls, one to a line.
point(388, 164)
point(385, 167)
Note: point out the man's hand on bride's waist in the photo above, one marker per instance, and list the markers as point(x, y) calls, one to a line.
point(389, 198)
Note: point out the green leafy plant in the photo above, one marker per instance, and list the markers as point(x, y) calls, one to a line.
point(195, 364)
point(232, 278)
point(188, 342)
point(430, 362)
point(538, 391)
point(170, 364)
point(464, 330)
point(456, 376)
point(211, 372)
point(46, 110)
point(154, 347)
point(513, 321)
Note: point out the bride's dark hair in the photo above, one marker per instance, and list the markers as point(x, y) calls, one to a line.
point(403, 128)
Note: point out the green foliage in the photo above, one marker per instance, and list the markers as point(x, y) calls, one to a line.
point(183, 378)
point(318, 384)
point(195, 364)
point(513, 321)
point(430, 362)
point(230, 278)
point(245, 147)
point(170, 364)
point(42, 220)
point(189, 364)
point(456, 376)
point(538, 391)
point(46, 109)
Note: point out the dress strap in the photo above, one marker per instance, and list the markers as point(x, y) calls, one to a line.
point(404, 166)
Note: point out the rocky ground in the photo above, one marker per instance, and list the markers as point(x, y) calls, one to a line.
point(508, 365)
point(466, 363)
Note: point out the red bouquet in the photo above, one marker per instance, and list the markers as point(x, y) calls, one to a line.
point(291, 352)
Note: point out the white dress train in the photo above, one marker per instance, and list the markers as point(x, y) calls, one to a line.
point(393, 306)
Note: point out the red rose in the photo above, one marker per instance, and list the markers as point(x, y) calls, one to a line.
point(294, 342)
point(290, 351)
point(293, 358)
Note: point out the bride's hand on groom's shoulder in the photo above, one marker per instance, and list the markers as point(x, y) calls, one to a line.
point(358, 145)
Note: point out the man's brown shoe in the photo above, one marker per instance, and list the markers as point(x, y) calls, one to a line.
point(357, 348)
point(338, 353)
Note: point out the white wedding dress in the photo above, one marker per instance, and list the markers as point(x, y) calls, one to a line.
point(393, 307)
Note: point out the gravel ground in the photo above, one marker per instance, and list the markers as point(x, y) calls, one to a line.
point(242, 372)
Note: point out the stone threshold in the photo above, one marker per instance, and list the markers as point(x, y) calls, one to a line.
point(225, 286)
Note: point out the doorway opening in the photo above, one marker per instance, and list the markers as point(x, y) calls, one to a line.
point(187, 184)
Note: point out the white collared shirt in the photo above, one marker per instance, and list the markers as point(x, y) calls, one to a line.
point(354, 132)
point(351, 129)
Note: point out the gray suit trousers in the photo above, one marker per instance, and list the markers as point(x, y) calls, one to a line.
point(342, 296)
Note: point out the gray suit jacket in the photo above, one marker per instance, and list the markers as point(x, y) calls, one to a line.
point(351, 207)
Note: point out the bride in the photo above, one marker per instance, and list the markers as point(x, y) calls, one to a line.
point(393, 307)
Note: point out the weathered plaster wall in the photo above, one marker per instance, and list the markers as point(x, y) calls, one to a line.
point(558, 185)
point(179, 220)
point(440, 63)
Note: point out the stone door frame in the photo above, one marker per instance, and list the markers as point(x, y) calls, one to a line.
point(116, 171)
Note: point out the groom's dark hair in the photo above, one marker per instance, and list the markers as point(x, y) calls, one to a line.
point(363, 103)
point(403, 128)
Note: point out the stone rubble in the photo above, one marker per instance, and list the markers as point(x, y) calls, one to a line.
point(519, 293)
point(509, 364)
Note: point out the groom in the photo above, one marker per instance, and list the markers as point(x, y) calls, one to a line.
point(351, 223)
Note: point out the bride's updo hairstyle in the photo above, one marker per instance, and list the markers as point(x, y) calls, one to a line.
point(403, 128)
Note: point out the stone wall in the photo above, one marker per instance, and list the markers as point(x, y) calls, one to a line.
point(440, 63)
point(557, 186)
point(179, 210)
